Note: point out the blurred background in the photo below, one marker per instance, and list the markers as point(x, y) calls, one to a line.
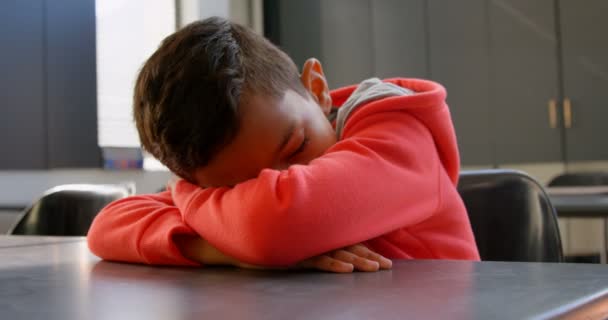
point(527, 81)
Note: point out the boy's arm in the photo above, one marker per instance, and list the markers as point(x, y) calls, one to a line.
point(147, 229)
point(383, 176)
point(140, 229)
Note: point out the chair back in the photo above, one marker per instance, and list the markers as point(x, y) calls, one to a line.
point(68, 210)
point(580, 179)
point(511, 216)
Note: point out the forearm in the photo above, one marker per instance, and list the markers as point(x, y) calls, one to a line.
point(139, 229)
point(197, 249)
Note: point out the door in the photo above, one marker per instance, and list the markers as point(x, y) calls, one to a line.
point(584, 30)
point(523, 81)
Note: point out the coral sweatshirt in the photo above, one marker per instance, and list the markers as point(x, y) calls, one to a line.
point(389, 183)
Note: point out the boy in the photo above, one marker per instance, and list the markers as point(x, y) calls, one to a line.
point(268, 181)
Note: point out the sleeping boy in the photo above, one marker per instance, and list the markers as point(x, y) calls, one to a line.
point(277, 171)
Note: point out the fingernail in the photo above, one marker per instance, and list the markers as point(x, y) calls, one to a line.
point(350, 268)
point(374, 265)
point(388, 263)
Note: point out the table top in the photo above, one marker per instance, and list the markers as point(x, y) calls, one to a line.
point(64, 281)
point(579, 201)
point(7, 241)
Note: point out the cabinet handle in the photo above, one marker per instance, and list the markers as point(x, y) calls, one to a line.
point(567, 113)
point(552, 113)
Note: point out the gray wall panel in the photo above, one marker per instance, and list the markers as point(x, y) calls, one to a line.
point(300, 29)
point(347, 41)
point(71, 84)
point(459, 60)
point(399, 38)
point(22, 123)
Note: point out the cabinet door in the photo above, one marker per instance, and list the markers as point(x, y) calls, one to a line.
point(22, 123)
point(458, 42)
point(347, 43)
point(71, 84)
point(399, 38)
point(523, 78)
point(584, 28)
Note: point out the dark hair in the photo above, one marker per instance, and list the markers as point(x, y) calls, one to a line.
point(187, 94)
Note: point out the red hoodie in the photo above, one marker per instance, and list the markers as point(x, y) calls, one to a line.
point(390, 183)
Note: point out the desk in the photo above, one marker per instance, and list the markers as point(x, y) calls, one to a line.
point(64, 281)
point(573, 202)
point(582, 202)
point(26, 241)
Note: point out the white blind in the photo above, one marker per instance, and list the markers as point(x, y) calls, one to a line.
point(128, 32)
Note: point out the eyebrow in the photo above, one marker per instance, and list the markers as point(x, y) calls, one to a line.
point(286, 136)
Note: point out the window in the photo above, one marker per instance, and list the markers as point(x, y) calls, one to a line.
point(128, 31)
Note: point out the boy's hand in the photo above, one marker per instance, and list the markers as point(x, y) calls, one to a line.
point(346, 260)
point(357, 257)
point(349, 259)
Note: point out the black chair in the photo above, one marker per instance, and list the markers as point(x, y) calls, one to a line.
point(68, 210)
point(580, 179)
point(511, 216)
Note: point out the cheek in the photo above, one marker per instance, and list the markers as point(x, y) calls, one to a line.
point(329, 138)
point(325, 137)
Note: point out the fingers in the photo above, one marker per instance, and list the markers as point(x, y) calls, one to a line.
point(327, 263)
point(363, 252)
point(357, 257)
point(359, 263)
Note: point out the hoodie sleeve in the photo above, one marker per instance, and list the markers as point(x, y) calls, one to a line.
point(139, 229)
point(382, 176)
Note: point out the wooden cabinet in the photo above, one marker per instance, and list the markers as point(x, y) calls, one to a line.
point(48, 84)
point(584, 64)
point(527, 80)
point(354, 39)
point(510, 67)
point(523, 79)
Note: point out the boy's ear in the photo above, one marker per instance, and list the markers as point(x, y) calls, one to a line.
point(314, 81)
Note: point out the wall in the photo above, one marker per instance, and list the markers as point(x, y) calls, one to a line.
point(48, 85)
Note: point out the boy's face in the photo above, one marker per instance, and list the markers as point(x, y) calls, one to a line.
point(275, 133)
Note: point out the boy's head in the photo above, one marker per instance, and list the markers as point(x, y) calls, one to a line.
point(217, 103)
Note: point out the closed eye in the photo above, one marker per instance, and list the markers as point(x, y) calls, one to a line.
point(300, 148)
